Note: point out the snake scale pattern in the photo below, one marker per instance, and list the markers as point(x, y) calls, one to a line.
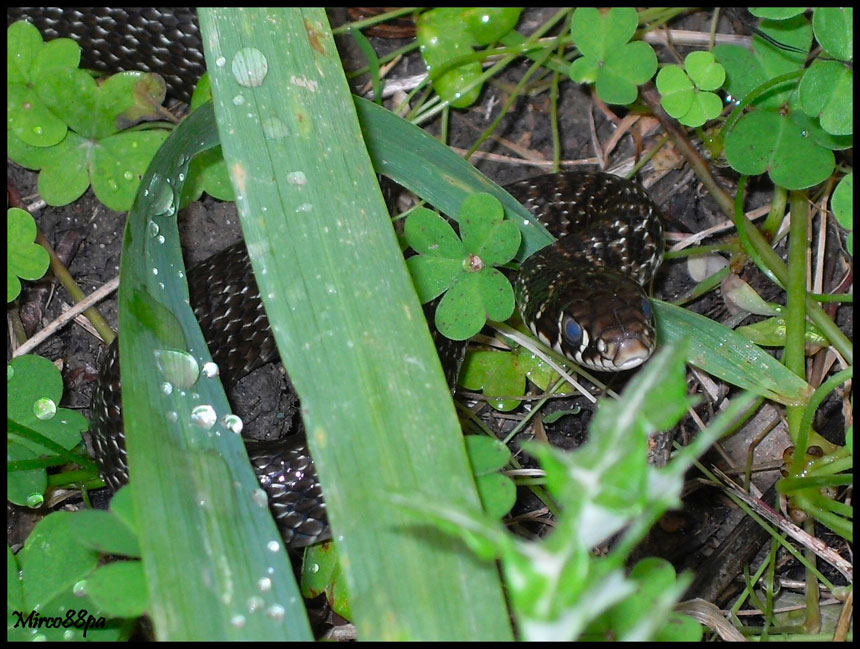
point(584, 295)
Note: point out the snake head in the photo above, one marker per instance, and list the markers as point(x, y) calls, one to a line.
point(597, 318)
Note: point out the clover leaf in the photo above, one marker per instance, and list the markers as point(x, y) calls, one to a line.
point(26, 259)
point(497, 491)
point(827, 92)
point(746, 70)
point(35, 387)
point(501, 373)
point(689, 104)
point(476, 291)
point(842, 204)
point(608, 60)
point(66, 124)
point(30, 65)
point(448, 33)
point(782, 145)
point(834, 30)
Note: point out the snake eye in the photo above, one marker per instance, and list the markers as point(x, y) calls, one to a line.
point(572, 331)
point(647, 310)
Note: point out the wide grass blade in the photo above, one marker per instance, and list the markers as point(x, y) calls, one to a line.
point(348, 325)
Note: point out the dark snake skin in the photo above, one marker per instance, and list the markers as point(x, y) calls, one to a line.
point(584, 295)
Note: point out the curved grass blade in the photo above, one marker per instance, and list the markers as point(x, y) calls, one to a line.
point(214, 560)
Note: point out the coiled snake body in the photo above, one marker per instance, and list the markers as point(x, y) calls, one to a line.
point(582, 295)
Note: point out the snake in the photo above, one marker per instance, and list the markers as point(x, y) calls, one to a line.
point(585, 295)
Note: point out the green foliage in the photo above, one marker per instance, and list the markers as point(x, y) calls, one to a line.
point(78, 132)
point(321, 573)
point(558, 588)
point(208, 170)
point(842, 204)
point(58, 574)
point(500, 373)
point(25, 259)
point(608, 60)
point(65, 124)
point(476, 291)
point(781, 145)
point(684, 94)
point(834, 30)
point(792, 126)
point(448, 34)
point(38, 427)
point(487, 455)
point(827, 92)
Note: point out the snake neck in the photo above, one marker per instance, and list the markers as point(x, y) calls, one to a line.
point(585, 295)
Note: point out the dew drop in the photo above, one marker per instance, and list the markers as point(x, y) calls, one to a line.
point(220, 61)
point(275, 128)
point(172, 416)
point(315, 568)
point(204, 416)
point(297, 178)
point(44, 408)
point(166, 388)
point(162, 203)
point(255, 602)
point(160, 238)
point(273, 546)
point(250, 67)
point(152, 228)
point(237, 621)
point(233, 423)
point(177, 366)
point(264, 584)
point(210, 370)
point(80, 588)
point(276, 612)
point(304, 207)
point(238, 100)
point(260, 498)
point(35, 500)
point(38, 130)
point(128, 175)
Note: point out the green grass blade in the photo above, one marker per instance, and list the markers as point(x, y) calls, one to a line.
point(421, 163)
point(348, 325)
point(726, 354)
point(215, 566)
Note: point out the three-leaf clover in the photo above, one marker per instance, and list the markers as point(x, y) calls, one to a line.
point(476, 291)
point(449, 33)
point(66, 124)
point(685, 94)
point(608, 60)
point(25, 259)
